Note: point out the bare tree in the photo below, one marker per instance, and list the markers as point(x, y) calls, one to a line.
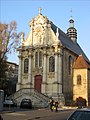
point(9, 41)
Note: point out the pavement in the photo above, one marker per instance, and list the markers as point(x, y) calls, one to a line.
point(31, 114)
point(17, 109)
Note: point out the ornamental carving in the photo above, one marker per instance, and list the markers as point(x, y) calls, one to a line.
point(38, 35)
point(41, 32)
point(51, 75)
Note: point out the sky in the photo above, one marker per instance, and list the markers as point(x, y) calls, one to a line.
point(57, 11)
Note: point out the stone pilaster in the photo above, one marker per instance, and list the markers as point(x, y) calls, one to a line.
point(60, 72)
point(55, 83)
point(44, 81)
point(19, 73)
point(56, 67)
point(30, 71)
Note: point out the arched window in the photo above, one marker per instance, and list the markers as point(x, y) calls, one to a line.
point(40, 59)
point(78, 79)
point(36, 59)
point(51, 64)
point(70, 65)
point(26, 62)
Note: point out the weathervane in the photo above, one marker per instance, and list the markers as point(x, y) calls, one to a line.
point(39, 10)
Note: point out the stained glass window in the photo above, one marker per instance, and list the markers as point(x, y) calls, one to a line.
point(70, 65)
point(40, 59)
point(36, 59)
point(51, 64)
point(26, 62)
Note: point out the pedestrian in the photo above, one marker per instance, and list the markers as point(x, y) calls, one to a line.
point(1, 117)
point(51, 104)
point(56, 105)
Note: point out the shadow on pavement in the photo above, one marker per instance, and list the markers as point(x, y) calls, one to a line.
point(14, 109)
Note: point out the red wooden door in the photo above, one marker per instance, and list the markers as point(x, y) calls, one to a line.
point(37, 83)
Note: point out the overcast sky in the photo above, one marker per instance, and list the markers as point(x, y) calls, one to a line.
point(58, 11)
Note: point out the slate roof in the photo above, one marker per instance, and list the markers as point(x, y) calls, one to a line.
point(68, 43)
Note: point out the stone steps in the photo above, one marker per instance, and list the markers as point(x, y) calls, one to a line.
point(38, 99)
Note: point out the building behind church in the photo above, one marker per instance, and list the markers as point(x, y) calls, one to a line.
point(52, 63)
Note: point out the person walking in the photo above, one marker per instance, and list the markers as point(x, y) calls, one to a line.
point(51, 104)
point(56, 105)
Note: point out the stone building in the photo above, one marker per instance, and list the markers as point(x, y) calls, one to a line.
point(47, 61)
point(11, 77)
point(81, 79)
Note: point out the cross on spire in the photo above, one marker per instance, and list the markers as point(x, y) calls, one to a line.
point(71, 13)
point(39, 10)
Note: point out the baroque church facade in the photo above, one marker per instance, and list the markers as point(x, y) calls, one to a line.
point(52, 62)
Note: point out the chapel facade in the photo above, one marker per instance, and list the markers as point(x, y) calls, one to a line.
point(47, 59)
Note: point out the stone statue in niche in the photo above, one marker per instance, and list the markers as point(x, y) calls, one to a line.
point(38, 36)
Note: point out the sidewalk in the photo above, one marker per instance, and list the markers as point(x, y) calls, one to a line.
point(67, 107)
point(27, 114)
point(17, 109)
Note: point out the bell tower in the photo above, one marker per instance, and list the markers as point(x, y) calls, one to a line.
point(71, 31)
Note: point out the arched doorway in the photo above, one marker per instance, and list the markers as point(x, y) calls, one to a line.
point(38, 82)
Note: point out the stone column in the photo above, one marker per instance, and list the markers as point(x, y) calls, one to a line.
point(44, 81)
point(19, 73)
point(61, 98)
point(60, 72)
point(30, 70)
point(44, 69)
point(56, 67)
point(56, 83)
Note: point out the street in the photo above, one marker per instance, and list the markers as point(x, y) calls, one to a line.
point(41, 114)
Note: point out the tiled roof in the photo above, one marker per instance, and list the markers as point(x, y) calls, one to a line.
point(81, 63)
point(68, 43)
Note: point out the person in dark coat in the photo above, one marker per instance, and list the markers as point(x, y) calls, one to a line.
point(51, 104)
point(56, 105)
point(1, 117)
